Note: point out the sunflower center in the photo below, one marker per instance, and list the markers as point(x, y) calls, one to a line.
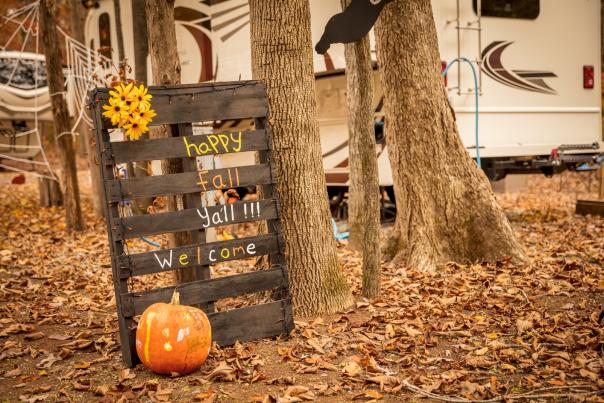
point(117, 108)
point(135, 125)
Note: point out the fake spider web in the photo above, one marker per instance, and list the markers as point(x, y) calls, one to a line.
point(84, 67)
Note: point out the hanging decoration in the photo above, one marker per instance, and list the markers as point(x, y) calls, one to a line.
point(23, 78)
point(351, 24)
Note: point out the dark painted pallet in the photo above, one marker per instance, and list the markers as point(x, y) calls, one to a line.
point(180, 106)
point(594, 207)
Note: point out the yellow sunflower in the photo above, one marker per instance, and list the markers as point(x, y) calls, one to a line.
point(142, 97)
point(135, 129)
point(116, 111)
point(148, 115)
point(126, 94)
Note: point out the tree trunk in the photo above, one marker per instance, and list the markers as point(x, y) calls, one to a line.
point(141, 50)
point(118, 29)
point(364, 188)
point(601, 188)
point(77, 21)
point(446, 210)
point(63, 136)
point(282, 56)
point(50, 193)
point(166, 70)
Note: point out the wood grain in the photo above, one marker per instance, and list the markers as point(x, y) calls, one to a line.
point(189, 219)
point(147, 263)
point(197, 292)
point(187, 182)
point(201, 102)
point(174, 147)
point(251, 323)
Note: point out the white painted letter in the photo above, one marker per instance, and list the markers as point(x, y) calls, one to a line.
point(166, 261)
point(251, 249)
point(205, 216)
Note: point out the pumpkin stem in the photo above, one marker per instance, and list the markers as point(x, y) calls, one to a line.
point(175, 298)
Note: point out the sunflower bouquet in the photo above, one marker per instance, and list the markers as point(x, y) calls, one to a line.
point(130, 108)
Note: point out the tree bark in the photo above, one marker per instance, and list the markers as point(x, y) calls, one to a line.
point(165, 66)
point(446, 210)
point(364, 188)
point(282, 56)
point(50, 193)
point(77, 21)
point(63, 136)
point(118, 29)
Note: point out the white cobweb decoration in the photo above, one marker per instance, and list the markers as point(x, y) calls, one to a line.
point(85, 69)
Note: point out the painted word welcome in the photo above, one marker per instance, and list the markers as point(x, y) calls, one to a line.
point(219, 253)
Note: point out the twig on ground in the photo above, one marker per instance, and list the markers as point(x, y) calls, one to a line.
point(533, 394)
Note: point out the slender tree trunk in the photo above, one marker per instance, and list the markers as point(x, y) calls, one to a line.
point(63, 136)
point(141, 51)
point(166, 70)
point(601, 187)
point(118, 29)
point(364, 190)
point(77, 21)
point(282, 56)
point(50, 193)
point(446, 210)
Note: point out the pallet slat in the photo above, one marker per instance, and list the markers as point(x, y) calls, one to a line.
point(195, 218)
point(188, 182)
point(149, 262)
point(251, 323)
point(594, 207)
point(204, 102)
point(188, 146)
point(197, 292)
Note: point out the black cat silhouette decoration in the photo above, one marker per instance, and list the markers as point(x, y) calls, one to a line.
point(351, 24)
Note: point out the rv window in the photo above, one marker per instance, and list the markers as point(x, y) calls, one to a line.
point(524, 9)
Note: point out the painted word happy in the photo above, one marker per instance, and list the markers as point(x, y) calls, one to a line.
point(214, 144)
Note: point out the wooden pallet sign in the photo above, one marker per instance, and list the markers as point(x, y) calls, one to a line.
point(180, 106)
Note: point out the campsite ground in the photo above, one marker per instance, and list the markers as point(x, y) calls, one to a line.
point(476, 331)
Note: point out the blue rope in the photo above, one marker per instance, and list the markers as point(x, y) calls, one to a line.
point(338, 235)
point(444, 73)
point(150, 242)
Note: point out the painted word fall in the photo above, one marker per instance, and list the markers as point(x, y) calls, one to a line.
point(219, 181)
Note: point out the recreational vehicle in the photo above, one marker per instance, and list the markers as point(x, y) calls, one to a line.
point(537, 64)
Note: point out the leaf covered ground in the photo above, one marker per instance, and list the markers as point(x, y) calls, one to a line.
point(478, 332)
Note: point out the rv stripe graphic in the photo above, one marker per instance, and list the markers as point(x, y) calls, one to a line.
point(528, 80)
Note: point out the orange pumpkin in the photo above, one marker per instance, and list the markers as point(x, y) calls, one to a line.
point(173, 338)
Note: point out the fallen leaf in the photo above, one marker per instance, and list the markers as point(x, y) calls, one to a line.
point(12, 373)
point(60, 337)
point(523, 325)
point(223, 372)
point(352, 369)
point(205, 396)
point(16, 328)
point(34, 336)
point(368, 394)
